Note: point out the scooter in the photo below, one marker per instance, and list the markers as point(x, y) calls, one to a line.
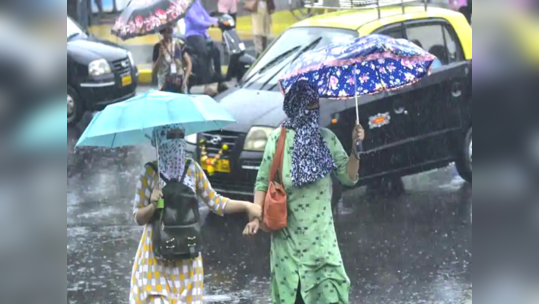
point(239, 60)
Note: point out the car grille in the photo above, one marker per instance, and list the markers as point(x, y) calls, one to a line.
point(215, 140)
point(122, 66)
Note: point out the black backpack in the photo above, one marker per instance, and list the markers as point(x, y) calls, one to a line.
point(176, 228)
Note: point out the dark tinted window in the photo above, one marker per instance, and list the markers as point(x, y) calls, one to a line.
point(437, 39)
point(394, 32)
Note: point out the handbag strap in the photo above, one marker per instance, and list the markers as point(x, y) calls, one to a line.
point(277, 164)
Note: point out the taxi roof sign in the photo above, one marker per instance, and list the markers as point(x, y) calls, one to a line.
point(360, 4)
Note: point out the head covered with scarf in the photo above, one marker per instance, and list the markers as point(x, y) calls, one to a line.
point(171, 152)
point(311, 157)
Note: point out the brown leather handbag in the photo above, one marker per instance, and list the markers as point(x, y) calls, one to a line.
point(251, 6)
point(276, 204)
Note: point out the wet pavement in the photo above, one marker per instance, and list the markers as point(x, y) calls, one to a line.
point(409, 248)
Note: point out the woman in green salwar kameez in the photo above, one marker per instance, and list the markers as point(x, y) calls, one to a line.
point(306, 264)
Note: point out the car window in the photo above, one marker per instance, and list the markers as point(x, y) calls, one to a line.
point(295, 39)
point(73, 28)
point(394, 32)
point(436, 39)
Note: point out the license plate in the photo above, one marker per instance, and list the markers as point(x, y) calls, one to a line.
point(126, 80)
point(221, 166)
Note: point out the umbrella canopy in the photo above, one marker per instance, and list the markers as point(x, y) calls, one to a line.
point(131, 122)
point(145, 17)
point(360, 66)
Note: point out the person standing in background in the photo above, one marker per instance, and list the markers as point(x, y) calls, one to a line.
point(262, 24)
point(228, 7)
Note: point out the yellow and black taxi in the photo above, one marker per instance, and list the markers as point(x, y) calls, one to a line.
point(99, 73)
point(421, 127)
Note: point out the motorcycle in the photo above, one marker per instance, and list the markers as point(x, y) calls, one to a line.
point(239, 61)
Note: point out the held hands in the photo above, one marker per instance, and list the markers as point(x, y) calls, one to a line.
point(253, 226)
point(254, 211)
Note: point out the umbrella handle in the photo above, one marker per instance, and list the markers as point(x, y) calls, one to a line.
point(359, 142)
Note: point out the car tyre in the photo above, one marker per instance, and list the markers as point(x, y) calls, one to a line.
point(464, 161)
point(75, 103)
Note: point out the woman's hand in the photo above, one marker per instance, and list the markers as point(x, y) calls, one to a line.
point(254, 211)
point(358, 133)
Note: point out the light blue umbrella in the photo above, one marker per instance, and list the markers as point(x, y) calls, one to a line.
point(131, 122)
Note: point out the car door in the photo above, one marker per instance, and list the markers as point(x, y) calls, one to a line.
point(433, 107)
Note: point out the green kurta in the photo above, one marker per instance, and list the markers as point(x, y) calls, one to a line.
point(307, 250)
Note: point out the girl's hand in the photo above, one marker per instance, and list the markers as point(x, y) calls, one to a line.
point(254, 211)
point(156, 195)
point(252, 228)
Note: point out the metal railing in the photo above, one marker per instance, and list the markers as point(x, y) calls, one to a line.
point(361, 4)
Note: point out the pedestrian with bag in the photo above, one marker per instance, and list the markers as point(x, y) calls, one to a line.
point(261, 11)
point(171, 64)
point(294, 187)
point(168, 264)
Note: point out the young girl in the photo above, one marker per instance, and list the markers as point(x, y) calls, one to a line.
point(154, 281)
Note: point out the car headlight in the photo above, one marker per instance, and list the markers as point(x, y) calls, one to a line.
point(191, 139)
point(257, 138)
point(130, 55)
point(99, 67)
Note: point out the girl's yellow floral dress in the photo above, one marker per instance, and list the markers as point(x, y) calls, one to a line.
point(176, 282)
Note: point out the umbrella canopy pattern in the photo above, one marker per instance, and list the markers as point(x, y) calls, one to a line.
point(360, 66)
point(145, 17)
point(132, 122)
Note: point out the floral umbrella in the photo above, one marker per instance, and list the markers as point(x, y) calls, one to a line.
point(144, 17)
point(360, 66)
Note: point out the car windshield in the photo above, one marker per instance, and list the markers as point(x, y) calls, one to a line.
point(289, 44)
point(73, 29)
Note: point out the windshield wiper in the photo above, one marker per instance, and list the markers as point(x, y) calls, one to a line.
point(309, 47)
point(303, 51)
point(72, 36)
point(273, 62)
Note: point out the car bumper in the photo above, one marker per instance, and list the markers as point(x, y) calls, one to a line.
point(244, 165)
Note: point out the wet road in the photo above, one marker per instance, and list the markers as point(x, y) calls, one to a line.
point(411, 248)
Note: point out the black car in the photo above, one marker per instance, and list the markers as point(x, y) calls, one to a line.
point(417, 128)
point(99, 73)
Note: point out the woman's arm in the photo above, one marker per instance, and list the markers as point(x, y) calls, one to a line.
point(189, 69)
point(145, 199)
point(219, 204)
point(352, 167)
point(262, 182)
point(156, 56)
point(347, 166)
point(145, 214)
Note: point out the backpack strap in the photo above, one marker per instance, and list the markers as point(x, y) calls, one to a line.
point(187, 164)
point(154, 168)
